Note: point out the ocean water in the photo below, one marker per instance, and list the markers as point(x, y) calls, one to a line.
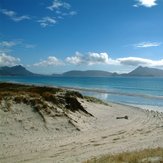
point(145, 92)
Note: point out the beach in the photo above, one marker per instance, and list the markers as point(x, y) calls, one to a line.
point(57, 133)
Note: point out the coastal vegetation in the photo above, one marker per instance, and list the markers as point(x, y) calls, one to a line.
point(142, 156)
point(37, 97)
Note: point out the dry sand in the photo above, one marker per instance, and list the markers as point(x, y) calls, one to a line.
point(26, 137)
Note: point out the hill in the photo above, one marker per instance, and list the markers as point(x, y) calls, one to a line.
point(145, 71)
point(15, 70)
point(89, 73)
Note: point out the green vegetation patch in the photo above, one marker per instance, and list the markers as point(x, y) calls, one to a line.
point(95, 100)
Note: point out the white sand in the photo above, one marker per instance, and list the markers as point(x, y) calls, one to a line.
point(26, 137)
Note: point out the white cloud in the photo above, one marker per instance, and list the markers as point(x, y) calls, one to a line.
point(20, 18)
point(8, 13)
point(71, 13)
point(90, 59)
point(57, 4)
point(51, 61)
point(103, 58)
point(135, 61)
point(61, 9)
point(7, 43)
point(146, 3)
point(147, 44)
point(7, 60)
point(13, 15)
point(46, 21)
point(77, 59)
point(96, 58)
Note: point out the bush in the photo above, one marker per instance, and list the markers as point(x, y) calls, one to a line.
point(50, 97)
point(73, 94)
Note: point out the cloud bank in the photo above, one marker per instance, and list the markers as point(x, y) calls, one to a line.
point(90, 59)
point(135, 61)
point(103, 58)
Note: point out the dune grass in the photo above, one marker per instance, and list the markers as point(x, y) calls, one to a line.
point(144, 156)
point(95, 100)
point(37, 97)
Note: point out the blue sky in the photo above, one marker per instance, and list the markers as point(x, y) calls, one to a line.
point(54, 36)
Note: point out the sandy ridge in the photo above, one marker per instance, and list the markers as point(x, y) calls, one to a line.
point(55, 134)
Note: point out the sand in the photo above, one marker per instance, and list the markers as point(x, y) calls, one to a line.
point(76, 137)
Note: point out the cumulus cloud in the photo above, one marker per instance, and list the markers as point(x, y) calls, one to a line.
point(13, 15)
point(57, 4)
point(77, 59)
point(135, 61)
point(95, 58)
point(147, 44)
point(47, 21)
point(90, 59)
point(51, 61)
point(103, 58)
point(146, 3)
point(7, 60)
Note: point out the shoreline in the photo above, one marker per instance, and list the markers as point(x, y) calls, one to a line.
point(55, 133)
point(81, 90)
point(89, 90)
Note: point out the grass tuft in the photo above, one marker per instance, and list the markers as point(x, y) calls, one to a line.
point(95, 100)
point(143, 156)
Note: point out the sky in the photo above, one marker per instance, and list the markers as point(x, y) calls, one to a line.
point(55, 36)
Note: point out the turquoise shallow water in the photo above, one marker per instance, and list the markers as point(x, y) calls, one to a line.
point(146, 91)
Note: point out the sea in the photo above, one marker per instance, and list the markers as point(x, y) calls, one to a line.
point(143, 92)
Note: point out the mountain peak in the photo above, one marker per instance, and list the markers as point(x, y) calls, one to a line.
point(140, 67)
point(146, 71)
point(15, 70)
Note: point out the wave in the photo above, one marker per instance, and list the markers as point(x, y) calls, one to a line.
point(135, 88)
point(114, 92)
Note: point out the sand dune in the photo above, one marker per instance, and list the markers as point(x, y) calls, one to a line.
point(59, 133)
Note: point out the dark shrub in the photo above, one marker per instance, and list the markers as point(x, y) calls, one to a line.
point(73, 94)
point(50, 97)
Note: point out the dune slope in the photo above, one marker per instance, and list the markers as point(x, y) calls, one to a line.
point(42, 124)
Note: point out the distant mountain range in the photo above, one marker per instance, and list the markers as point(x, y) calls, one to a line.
point(140, 71)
